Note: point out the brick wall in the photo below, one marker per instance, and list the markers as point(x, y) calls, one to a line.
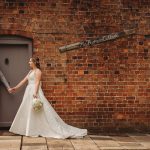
point(103, 88)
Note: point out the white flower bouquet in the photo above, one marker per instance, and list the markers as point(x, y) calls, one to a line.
point(37, 104)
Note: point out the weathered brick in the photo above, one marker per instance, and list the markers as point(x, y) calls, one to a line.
point(99, 87)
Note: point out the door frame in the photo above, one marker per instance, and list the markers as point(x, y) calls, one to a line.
point(16, 39)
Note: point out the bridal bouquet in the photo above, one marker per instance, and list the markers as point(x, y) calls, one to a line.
point(37, 104)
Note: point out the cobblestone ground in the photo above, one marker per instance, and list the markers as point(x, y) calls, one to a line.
point(10, 141)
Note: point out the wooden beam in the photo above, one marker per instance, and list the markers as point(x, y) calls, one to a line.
point(91, 42)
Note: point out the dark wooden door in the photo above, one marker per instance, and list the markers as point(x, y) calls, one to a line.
point(14, 57)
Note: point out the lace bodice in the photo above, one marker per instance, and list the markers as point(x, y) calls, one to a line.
point(31, 77)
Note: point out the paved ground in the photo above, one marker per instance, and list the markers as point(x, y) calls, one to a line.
point(10, 141)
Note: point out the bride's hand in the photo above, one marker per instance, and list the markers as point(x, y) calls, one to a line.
point(34, 95)
point(12, 90)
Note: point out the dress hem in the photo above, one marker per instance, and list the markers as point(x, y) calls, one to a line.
point(77, 137)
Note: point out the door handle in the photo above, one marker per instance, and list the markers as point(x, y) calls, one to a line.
point(6, 61)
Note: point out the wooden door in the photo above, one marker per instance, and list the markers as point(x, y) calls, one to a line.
point(14, 56)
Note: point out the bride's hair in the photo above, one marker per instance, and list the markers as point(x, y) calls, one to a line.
point(36, 61)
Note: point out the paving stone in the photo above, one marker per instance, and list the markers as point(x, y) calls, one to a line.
point(56, 148)
point(100, 137)
point(35, 147)
point(10, 137)
point(112, 148)
point(34, 143)
point(148, 134)
point(123, 139)
point(54, 144)
point(118, 134)
point(9, 148)
point(141, 138)
point(89, 142)
point(135, 148)
point(10, 142)
point(130, 144)
point(84, 144)
point(146, 144)
point(106, 143)
point(34, 140)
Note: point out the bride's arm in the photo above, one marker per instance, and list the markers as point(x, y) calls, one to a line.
point(21, 83)
point(38, 75)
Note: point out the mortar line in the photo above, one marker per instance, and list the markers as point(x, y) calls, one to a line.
point(46, 144)
point(21, 142)
point(72, 144)
point(94, 143)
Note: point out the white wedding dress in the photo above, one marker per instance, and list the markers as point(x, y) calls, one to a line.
point(46, 123)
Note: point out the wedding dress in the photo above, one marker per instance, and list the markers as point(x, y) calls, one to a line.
point(46, 123)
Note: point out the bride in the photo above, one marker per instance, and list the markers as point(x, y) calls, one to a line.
point(46, 123)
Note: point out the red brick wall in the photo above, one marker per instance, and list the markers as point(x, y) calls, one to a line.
point(105, 87)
